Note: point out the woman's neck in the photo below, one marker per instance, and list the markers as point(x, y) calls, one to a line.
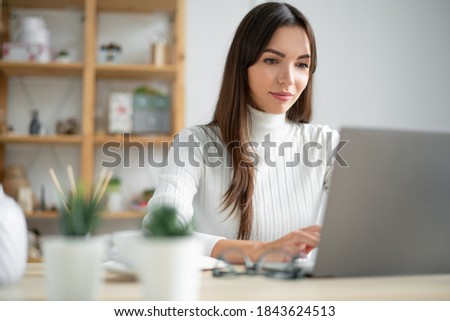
point(262, 124)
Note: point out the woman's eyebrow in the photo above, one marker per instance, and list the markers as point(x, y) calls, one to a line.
point(282, 55)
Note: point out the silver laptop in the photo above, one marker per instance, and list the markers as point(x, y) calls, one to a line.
point(388, 212)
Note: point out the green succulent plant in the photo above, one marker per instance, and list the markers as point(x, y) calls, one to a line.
point(80, 215)
point(164, 222)
point(114, 185)
point(80, 211)
point(144, 90)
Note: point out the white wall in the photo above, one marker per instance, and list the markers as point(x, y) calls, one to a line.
point(210, 26)
point(382, 63)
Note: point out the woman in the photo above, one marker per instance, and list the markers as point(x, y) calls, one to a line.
point(242, 177)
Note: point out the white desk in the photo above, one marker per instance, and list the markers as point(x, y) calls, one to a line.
point(259, 288)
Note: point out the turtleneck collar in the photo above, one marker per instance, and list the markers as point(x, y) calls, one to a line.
point(262, 123)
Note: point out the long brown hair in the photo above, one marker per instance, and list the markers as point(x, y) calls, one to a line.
point(231, 115)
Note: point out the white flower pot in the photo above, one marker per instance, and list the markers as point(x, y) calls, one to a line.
point(73, 267)
point(115, 202)
point(169, 268)
point(125, 247)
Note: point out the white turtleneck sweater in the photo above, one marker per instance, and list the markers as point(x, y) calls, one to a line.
point(288, 185)
point(13, 240)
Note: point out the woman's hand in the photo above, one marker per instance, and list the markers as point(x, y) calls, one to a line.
point(300, 241)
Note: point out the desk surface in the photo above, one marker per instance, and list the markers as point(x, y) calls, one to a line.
point(121, 288)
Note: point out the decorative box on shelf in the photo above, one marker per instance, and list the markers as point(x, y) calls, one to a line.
point(120, 113)
point(151, 113)
point(16, 51)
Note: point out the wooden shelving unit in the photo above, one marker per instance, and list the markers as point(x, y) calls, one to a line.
point(89, 71)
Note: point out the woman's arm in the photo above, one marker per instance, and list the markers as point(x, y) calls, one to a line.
point(298, 241)
point(180, 177)
point(179, 182)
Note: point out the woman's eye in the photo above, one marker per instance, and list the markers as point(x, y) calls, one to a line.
point(270, 61)
point(302, 65)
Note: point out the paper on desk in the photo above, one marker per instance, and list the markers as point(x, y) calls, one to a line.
point(209, 263)
point(205, 263)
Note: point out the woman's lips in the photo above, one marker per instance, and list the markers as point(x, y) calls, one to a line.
point(282, 96)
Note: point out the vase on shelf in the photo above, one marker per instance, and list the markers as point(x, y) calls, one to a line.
point(35, 124)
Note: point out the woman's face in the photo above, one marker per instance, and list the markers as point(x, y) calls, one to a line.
point(281, 74)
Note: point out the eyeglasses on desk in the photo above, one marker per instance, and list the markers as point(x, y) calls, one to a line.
point(274, 263)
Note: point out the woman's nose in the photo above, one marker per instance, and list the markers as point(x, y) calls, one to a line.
point(286, 75)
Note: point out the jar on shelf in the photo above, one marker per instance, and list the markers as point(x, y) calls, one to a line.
point(159, 51)
point(14, 179)
point(110, 53)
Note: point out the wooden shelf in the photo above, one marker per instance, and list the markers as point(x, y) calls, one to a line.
point(13, 68)
point(23, 68)
point(46, 4)
point(157, 139)
point(116, 215)
point(41, 214)
point(135, 71)
point(34, 260)
point(29, 139)
point(137, 6)
point(124, 214)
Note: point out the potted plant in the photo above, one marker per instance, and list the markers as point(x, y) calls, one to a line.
point(80, 215)
point(115, 200)
point(168, 264)
point(73, 258)
point(163, 222)
point(63, 56)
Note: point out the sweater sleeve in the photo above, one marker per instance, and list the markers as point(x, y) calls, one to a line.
point(13, 240)
point(207, 242)
point(179, 181)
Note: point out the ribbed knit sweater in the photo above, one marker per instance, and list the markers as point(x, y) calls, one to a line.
point(13, 240)
point(291, 177)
